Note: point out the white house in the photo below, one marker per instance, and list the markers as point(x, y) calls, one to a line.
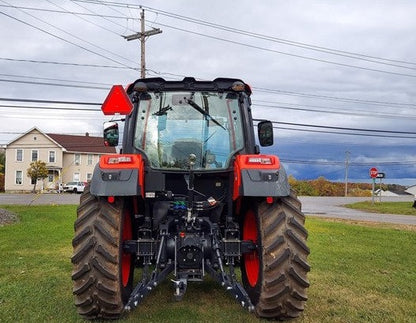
point(67, 157)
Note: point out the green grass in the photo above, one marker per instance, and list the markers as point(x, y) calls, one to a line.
point(404, 208)
point(359, 274)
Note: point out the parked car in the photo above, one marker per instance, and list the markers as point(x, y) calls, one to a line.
point(74, 187)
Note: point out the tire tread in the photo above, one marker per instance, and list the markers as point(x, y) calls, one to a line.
point(284, 253)
point(96, 257)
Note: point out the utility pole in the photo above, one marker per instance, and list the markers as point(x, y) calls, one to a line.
point(142, 36)
point(347, 161)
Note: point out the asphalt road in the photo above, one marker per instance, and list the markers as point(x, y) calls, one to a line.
point(312, 206)
point(331, 207)
point(37, 199)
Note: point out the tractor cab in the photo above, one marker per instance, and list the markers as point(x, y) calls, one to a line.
point(169, 123)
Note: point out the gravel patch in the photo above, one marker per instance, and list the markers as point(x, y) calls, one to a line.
point(7, 217)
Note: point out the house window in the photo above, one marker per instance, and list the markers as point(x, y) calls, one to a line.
point(77, 159)
point(89, 177)
point(52, 156)
point(50, 178)
point(34, 155)
point(76, 177)
point(19, 177)
point(89, 159)
point(33, 181)
point(19, 155)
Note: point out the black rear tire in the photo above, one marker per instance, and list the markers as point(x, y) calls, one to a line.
point(102, 274)
point(275, 276)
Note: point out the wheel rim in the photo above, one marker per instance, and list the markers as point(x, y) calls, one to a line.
point(251, 259)
point(125, 256)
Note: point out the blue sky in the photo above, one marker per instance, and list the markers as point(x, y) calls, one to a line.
point(316, 68)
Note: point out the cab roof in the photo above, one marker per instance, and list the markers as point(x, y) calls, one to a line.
point(159, 84)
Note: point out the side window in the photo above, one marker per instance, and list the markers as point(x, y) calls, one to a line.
point(19, 155)
point(76, 177)
point(77, 159)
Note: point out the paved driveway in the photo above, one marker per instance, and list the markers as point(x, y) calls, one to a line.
point(313, 206)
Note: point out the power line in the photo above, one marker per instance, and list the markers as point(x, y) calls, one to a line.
point(65, 40)
point(72, 35)
point(54, 79)
point(55, 84)
point(284, 53)
point(47, 108)
point(64, 63)
point(344, 133)
point(259, 89)
point(61, 133)
point(331, 108)
point(368, 58)
point(327, 129)
point(49, 101)
point(84, 19)
point(341, 128)
point(66, 12)
point(60, 118)
point(344, 130)
point(340, 112)
point(101, 16)
point(327, 97)
point(245, 32)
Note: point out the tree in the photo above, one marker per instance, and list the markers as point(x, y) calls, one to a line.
point(2, 162)
point(37, 170)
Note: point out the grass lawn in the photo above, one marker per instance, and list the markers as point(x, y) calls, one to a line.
point(404, 208)
point(359, 273)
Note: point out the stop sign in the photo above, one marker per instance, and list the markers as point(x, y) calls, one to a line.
point(373, 172)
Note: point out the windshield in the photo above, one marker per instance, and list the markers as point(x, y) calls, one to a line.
point(172, 126)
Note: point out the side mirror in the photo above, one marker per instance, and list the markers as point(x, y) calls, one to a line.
point(265, 133)
point(110, 133)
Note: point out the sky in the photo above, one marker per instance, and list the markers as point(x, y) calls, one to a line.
point(337, 78)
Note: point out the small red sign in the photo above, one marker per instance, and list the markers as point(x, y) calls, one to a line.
point(373, 172)
point(117, 101)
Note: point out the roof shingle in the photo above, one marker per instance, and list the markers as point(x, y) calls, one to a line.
point(82, 144)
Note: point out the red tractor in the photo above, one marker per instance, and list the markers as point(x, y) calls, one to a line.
point(188, 196)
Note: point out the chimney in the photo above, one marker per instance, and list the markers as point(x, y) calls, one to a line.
point(87, 134)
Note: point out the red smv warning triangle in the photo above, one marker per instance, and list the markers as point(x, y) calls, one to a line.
point(117, 101)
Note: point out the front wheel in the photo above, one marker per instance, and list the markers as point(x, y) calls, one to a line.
point(102, 273)
point(275, 275)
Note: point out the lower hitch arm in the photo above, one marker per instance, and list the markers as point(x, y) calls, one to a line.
point(148, 283)
point(228, 281)
point(145, 287)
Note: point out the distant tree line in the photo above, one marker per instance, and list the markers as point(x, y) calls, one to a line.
point(324, 187)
